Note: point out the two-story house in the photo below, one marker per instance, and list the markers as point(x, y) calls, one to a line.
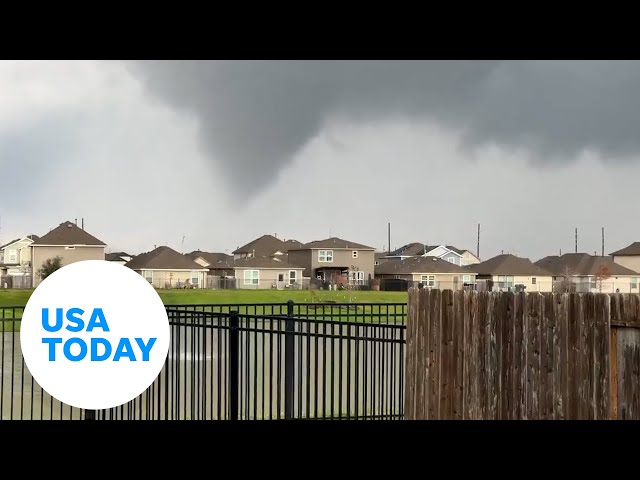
point(335, 261)
point(15, 256)
point(628, 257)
point(67, 241)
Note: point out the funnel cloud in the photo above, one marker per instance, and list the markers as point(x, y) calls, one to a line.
point(254, 116)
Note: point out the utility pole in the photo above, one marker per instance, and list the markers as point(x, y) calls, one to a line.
point(603, 241)
point(389, 236)
point(478, 244)
point(576, 239)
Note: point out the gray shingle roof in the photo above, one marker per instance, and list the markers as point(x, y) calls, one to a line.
point(163, 258)
point(633, 249)
point(267, 245)
point(508, 264)
point(582, 264)
point(335, 243)
point(68, 233)
point(414, 265)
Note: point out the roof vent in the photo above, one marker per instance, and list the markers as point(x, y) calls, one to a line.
point(70, 225)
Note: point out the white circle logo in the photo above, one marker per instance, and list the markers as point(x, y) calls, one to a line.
point(95, 334)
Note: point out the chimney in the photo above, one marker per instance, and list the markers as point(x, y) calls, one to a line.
point(76, 221)
point(275, 235)
point(82, 226)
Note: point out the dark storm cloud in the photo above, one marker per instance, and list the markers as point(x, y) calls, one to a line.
point(255, 115)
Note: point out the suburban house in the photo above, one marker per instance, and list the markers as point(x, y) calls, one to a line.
point(266, 246)
point(449, 253)
point(163, 267)
point(581, 272)
point(221, 273)
point(335, 261)
point(118, 257)
point(266, 273)
point(430, 272)
point(67, 241)
point(628, 256)
point(214, 261)
point(507, 272)
point(15, 256)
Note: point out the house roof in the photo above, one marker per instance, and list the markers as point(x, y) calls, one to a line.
point(267, 245)
point(410, 250)
point(335, 243)
point(112, 257)
point(416, 248)
point(10, 243)
point(264, 262)
point(163, 258)
point(582, 264)
point(211, 257)
point(633, 249)
point(413, 265)
point(68, 233)
point(508, 264)
point(30, 237)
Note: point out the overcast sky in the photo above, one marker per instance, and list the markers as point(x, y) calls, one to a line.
point(222, 152)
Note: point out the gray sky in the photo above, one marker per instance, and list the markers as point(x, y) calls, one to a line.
point(222, 152)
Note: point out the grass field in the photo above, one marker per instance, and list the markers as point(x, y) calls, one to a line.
point(176, 297)
point(19, 298)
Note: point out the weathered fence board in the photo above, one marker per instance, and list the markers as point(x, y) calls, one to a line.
point(495, 355)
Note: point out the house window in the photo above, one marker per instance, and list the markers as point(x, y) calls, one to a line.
point(533, 280)
point(281, 277)
point(293, 277)
point(148, 276)
point(325, 256)
point(354, 254)
point(466, 279)
point(428, 280)
point(356, 278)
point(13, 255)
point(194, 278)
point(69, 248)
point(634, 283)
point(505, 281)
point(376, 263)
point(451, 260)
point(251, 277)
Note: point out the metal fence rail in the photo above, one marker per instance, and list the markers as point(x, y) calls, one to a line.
point(256, 361)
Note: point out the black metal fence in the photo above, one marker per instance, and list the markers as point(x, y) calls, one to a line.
point(252, 361)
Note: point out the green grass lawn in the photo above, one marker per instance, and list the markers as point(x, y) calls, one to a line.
point(12, 298)
point(176, 297)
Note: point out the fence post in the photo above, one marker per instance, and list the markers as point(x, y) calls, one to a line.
point(289, 361)
point(234, 351)
point(89, 414)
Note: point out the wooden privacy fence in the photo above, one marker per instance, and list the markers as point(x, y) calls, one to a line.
point(504, 355)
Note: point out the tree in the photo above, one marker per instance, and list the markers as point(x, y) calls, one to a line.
point(49, 266)
point(566, 284)
point(602, 276)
